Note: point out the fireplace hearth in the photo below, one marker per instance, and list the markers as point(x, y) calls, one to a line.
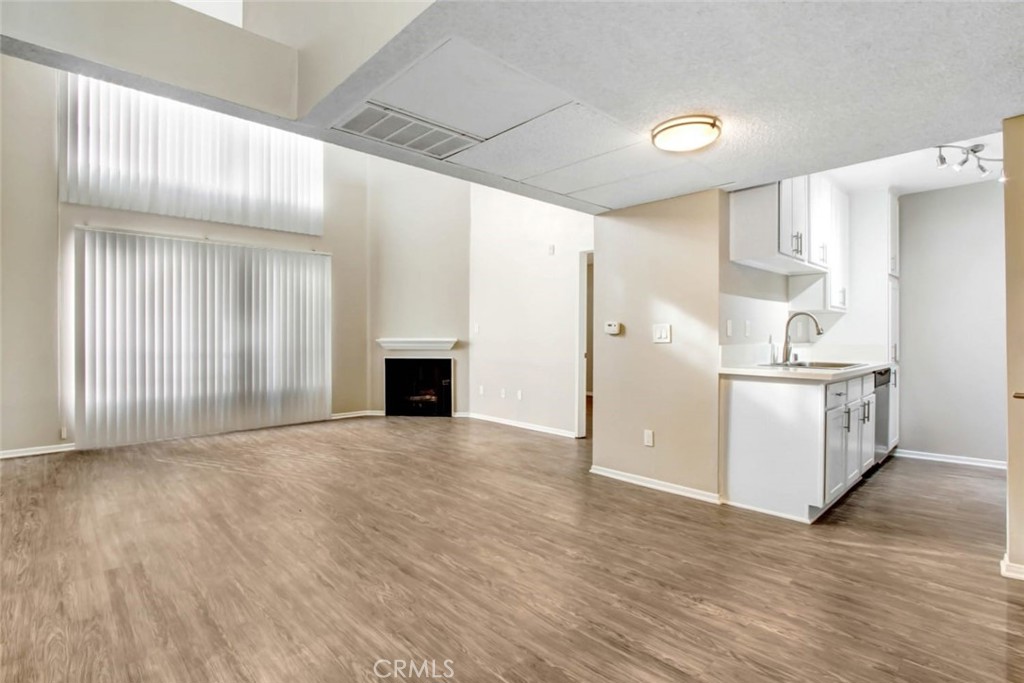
point(418, 387)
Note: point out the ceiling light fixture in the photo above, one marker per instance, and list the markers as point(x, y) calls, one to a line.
point(974, 151)
point(686, 133)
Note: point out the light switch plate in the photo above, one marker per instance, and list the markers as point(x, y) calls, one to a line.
point(662, 333)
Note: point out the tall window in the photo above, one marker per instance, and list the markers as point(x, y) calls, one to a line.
point(124, 149)
point(177, 337)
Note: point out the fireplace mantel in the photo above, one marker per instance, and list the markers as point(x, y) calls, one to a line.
point(417, 343)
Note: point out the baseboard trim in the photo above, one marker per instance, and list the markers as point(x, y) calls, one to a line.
point(1011, 570)
point(952, 459)
point(36, 450)
point(780, 515)
point(657, 484)
point(521, 425)
point(357, 413)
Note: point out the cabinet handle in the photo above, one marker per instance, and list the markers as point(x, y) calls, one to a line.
point(867, 412)
point(846, 419)
point(794, 242)
point(1018, 394)
point(895, 375)
point(824, 253)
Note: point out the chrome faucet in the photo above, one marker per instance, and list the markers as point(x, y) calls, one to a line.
point(787, 347)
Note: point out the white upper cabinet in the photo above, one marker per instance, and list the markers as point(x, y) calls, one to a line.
point(894, 236)
point(830, 231)
point(769, 227)
point(820, 210)
point(839, 269)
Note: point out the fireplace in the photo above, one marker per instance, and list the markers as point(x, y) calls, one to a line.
point(418, 386)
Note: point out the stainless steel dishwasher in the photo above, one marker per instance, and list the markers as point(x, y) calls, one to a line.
point(883, 378)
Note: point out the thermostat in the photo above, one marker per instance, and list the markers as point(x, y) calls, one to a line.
point(613, 328)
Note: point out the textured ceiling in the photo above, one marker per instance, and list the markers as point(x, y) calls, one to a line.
point(563, 94)
point(917, 171)
point(801, 87)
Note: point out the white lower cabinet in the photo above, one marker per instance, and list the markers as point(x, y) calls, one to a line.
point(849, 438)
point(836, 447)
point(791, 448)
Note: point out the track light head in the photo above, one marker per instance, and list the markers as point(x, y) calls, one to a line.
point(1002, 175)
point(983, 169)
point(959, 166)
point(941, 161)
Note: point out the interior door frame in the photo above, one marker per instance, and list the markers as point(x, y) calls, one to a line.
point(582, 302)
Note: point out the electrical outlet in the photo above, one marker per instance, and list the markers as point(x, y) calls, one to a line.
point(519, 395)
point(649, 437)
point(63, 433)
point(502, 393)
point(746, 329)
point(551, 250)
point(728, 328)
point(481, 390)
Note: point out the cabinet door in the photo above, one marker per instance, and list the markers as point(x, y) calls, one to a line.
point(819, 225)
point(835, 453)
point(894, 236)
point(894, 320)
point(867, 436)
point(793, 207)
point(854, 420)
point(838, 273)
point(894, 407)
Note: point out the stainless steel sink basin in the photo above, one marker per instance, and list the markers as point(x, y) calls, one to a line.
point(813, 365)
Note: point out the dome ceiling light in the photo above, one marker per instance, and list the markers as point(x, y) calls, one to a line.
point(686, 133)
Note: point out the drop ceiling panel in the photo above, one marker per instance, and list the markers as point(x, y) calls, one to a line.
point(684, 178)
point(642, 157)
point(566, 136)
point(463, 87)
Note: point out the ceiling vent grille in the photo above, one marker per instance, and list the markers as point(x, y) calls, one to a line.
point(402, 130)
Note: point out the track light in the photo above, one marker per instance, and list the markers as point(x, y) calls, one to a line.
point(974, 151)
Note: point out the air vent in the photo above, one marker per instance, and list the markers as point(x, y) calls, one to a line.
point(402, 130)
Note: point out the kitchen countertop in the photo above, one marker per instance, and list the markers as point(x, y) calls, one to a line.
point(819, 375)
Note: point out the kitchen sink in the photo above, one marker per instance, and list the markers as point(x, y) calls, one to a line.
point(813, 365)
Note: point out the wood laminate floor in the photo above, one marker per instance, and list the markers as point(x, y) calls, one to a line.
point(308, 553)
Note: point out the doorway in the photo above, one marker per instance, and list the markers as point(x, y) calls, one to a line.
point(585, 371)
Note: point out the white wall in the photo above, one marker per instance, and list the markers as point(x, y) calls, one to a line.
point(953, 322)
point(659, 263)
point(524, 307)
point(164, 42)
point(418, 223)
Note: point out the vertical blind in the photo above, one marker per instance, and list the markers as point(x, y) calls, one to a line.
point(178, 338)
point(125, 149)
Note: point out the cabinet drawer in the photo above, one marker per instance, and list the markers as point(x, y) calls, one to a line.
point(836, 395)
point(868, 384)
point(856, 389)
